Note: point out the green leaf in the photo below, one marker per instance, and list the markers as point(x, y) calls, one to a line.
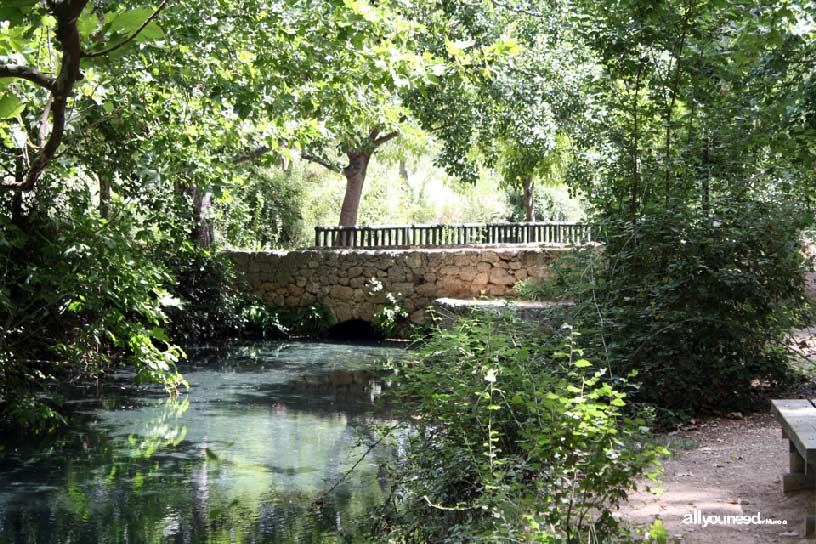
point(151, 33)
point(10, 106)
point(129, 22)
point(159, 334)
point(582, 363)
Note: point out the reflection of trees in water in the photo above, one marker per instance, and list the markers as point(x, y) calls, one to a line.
point(165, 486)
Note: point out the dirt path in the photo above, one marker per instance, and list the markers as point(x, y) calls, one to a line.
point(725, 467)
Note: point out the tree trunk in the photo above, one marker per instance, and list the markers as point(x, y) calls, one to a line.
point(529, 207)
point(202, 222)
point(706, 192)
point(355, 174)
point(104, 197)
point(403, 170)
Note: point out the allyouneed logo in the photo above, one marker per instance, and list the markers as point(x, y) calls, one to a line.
point(696, 517)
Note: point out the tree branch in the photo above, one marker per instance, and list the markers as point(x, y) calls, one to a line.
point(29, 74)
point(130, 38)
point(254, 154)
point(385, 138)
point(322, 162)
point(66, 13)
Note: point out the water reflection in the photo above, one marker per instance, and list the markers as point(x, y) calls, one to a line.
point(241, 458)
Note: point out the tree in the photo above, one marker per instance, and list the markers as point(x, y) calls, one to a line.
point(513, 95)
point(64, 18)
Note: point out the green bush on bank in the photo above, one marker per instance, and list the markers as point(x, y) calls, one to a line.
point(76, 295)
point(699, 306)
point(511, 436)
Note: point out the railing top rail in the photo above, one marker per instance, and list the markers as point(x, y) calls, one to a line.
point(455, 225)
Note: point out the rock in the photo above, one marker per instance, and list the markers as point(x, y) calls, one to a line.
point(482, 278)
point(449, 271)
point(418, 316)
point(414, 260)
point(427, 289)
point(462, 260)
point(499, 276)
point(341, 292)
point(489, 257)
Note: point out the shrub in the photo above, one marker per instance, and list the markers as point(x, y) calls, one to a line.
point(77, 294)
point(511, 437)
point(699, 307)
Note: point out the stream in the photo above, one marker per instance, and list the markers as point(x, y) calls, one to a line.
point(244, 456)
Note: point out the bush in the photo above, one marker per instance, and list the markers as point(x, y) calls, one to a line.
point(699, 307)
point(77, 294)
point(512, 438)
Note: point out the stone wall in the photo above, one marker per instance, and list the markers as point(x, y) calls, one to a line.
point(353, 283)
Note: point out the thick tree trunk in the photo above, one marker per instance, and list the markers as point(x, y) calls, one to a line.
point(104, 197)
point(355, 174)
point(202, 234)
point(529, 207)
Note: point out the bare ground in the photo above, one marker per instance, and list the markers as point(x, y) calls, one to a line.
point(725, 467)
point(731, 467)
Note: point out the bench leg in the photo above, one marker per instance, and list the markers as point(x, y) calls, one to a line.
point(799, 476)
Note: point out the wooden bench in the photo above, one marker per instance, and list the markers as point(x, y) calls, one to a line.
point(798, 419)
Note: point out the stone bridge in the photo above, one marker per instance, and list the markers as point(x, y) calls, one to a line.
point(354, 284)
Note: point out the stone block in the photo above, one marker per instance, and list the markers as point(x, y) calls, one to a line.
point(467, 274)
point(295, 291)
point(499, 276)
point(427, 289)
point(356, 283)
point(498, 290)
point(341, 311)
point(489, 257)
point(483, 267)
point(463, 260)
point(449, 270)
point(405, 288)
point(514, 265)
point(354, 272)
point(414, 260)
point(418, 317)
point(341, 292)
point(481, 278)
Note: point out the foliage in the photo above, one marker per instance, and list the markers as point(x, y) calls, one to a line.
point(311, 321)
point(699, 306)
point(214, 304)
point(391, 315)
point(263, 212)
point(78, 293)
point(553, 203)
point(511, 436)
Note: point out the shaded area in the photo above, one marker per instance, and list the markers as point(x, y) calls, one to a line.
point(242, 457)
point(353, 329)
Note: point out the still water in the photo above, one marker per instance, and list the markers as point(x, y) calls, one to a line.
point(245, 456)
